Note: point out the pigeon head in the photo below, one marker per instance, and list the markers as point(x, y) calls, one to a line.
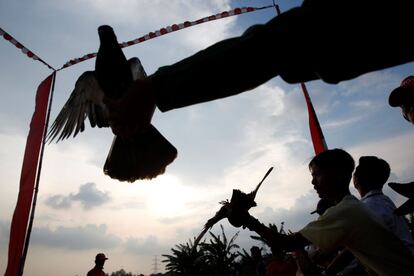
point(104, 28)
point(106, 33)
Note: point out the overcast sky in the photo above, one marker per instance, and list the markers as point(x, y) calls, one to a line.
point(222, 145)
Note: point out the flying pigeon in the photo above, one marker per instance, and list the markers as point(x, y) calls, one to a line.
point(239, 200)
point(148, 153)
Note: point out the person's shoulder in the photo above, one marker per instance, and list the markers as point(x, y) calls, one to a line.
point(348, 202)
point(388, 200)
point(91, 272)
point(348, 207)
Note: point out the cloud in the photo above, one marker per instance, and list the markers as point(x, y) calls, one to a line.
point(340, 123)
point(147, 246)
point(88, 196)
point(144, 12)
point(371, 84)
point(76, 238)
point(396, 151)
point(170, 220)
point(4, 233)
point(59, 202)
point(132, 19)
point(296, 217)
point(366, 104)
point(130, 205)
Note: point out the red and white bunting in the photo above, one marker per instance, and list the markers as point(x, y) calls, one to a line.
point(170, 29)
point(150, 35)
point(20, 46)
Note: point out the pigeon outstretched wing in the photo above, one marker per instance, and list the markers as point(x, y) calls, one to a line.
point(220, 214)
point(85, 101)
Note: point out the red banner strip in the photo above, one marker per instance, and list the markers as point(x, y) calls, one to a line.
point(318, 140)
point(28, 177)
point(170, 29)
point(20, 46)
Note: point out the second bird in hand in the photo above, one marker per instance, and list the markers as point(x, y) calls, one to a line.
point(240, 201)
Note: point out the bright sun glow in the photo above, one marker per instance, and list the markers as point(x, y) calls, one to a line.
point(167, 197)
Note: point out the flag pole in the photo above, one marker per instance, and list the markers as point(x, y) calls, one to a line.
point(36, 189)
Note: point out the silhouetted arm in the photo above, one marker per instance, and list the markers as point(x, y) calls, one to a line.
point(332, 40)
point(275, 239)
point(345, 262)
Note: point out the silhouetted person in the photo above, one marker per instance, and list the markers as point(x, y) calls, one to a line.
point(369, 178)
point(403, 97)
point(258, 261)
point(281, 266)
point(100, 259)
point(347, 224)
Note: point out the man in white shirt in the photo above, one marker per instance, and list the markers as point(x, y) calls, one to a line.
point(369, 178)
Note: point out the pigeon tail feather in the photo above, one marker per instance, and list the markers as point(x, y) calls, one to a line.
point(144, 157)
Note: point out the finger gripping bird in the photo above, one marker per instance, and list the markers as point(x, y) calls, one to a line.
point(148, 153)
point(239, 200)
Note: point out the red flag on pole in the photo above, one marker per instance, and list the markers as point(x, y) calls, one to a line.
point(318, 140)
point(28, 178)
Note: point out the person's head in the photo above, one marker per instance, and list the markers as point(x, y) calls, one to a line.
point(403, 97)
point(322, 206)
point(256, 252)
point(331, 173)
point(370, 174)
point(100, 259)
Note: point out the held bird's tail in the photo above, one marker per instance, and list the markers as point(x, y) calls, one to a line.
point(143, 157)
